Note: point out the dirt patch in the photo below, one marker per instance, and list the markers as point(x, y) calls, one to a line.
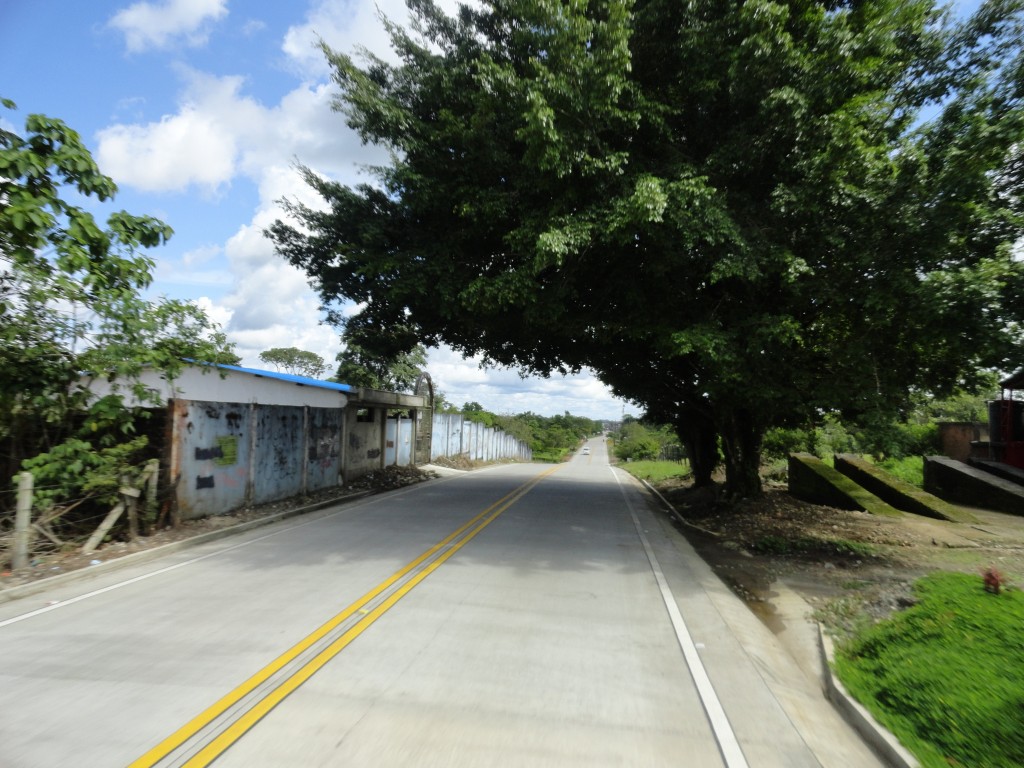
point(48, 561)
point(851, 566)
point(460, 461)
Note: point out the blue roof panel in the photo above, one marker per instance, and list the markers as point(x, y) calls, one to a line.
point(289, 377)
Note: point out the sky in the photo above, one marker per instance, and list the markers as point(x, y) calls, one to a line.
point(199, 110)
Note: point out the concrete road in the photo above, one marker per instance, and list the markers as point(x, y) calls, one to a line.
point(522, 615)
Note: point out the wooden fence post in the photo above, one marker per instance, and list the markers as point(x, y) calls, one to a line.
point(153, 468)
point(131, 503)
point(97, 538)
point(22, 520)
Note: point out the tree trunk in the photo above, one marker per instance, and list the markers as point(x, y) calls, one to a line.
point(741, 443)
point(697, 432)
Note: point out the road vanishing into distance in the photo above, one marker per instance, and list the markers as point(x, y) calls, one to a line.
point(521, 615)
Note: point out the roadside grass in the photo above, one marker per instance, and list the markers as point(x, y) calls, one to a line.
point(656, 471)
point(946, 675)
point(802, 545)
point(552, 456)
point(909, 469)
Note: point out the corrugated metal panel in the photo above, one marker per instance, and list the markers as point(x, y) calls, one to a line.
point(304, 381)
point(452, 435)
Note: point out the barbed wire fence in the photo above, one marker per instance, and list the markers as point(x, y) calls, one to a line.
point(28, 533)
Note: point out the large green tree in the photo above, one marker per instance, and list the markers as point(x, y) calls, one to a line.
point(360, 366)
point(772, 208)
point(299, 362)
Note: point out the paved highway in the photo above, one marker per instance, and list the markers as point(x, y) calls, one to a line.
point(523, 615)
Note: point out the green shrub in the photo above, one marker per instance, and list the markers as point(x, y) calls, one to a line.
point(823, 440)
point(909, 469)
point(896, 440)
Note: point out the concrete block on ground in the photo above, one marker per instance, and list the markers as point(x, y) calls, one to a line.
point(898, 493)
point(811, 479)
point(997, 468)
point(962, 484)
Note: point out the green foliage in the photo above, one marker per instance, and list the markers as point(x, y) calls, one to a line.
point(637, 445)
point(965, 404)
point(946, 675)
point(884, 439)
point(739, 215)
point(896, 439)
point(77, 471)
point(828, 438)
point(636, 441)
point(359, 366)
point(909, 469)
point(801, 545)
point(71, 298)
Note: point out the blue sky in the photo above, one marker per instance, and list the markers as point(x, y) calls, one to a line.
point(199, 109)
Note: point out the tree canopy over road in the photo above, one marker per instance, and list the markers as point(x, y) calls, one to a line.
point(737, 214)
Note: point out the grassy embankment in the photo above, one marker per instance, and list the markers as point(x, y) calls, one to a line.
point(947, 674)
point(553, 455)
point(656, 471)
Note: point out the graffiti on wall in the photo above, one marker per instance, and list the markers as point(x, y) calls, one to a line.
point(223, 454)
point(325, 444)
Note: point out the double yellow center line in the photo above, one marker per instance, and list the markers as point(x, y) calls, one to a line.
point(395, 587)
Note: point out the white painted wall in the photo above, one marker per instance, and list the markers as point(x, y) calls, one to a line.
point(220, 386)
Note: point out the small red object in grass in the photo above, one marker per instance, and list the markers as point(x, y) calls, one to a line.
point(994, 580)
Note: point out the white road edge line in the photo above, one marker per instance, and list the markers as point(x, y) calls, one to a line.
point(143, 577)
point(176, 566)
point(727, 742)
point(71, 600)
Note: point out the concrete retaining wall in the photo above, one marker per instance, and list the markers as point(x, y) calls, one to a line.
point(227, 455)
point(454, 435)
point(957, 482)
point(899, 494)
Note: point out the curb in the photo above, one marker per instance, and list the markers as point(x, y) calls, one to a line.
point(875, 734)
point(22, 590)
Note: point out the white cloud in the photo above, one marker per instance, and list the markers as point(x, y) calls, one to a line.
point(502, 390)
point(149, 25)
point(343, 26)
point(187, 149)
point(218, 133)
point(252, 27)
point(217, 313)
point(346, 27)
